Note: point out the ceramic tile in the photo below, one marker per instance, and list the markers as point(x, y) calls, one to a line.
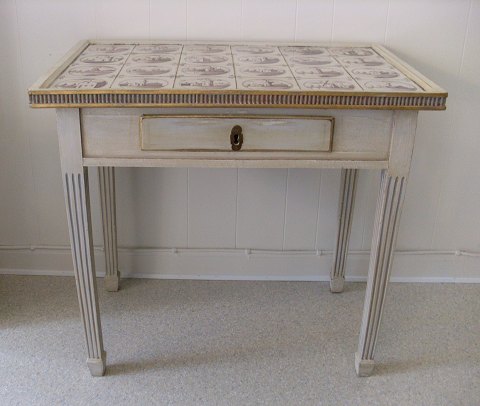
point(365, 61)
point(205, 70)
point(389, 85)
point(319, 72)
point(210, 49)
point(101, 59)
point(261, 60)
point(312, 61)
point(329, 84)
point(376, 73)
point(158, 49)
point(266, 84)
point(149, 70)
point(84, 70)
point(153, 59)
point(303, 51)
point(108, 49)
point(351, 51)
point(142, 82)
point(68, 82)
point(256, 71)
point(254, 49)
point(205, 83)
point(210, 59)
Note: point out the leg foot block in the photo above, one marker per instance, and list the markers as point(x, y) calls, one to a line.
point(97, 365)
point(112, 282)
point(364, 367)
point(336, 284)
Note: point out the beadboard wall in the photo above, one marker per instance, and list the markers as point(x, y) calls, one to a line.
point(246, 223)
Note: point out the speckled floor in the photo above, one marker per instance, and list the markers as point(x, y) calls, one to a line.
point(238, 343)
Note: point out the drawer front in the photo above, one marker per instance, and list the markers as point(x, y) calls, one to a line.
point(227, 133)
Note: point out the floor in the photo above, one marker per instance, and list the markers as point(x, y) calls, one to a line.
point(238, 343)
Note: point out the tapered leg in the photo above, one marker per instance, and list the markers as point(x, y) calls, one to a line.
point(77, 200)
point(345, 213)
point(389, 206)
point(107, 198)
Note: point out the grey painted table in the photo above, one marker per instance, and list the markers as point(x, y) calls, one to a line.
point(242, 105)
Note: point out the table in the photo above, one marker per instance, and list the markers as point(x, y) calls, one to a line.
point(242, 105)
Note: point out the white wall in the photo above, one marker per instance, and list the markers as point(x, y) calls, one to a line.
point(253, 209)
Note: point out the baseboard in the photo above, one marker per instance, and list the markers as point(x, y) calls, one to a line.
point(239, 264)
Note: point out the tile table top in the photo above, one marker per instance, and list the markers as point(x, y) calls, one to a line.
point(171, 73)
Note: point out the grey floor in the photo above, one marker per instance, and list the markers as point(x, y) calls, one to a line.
point(238, 343)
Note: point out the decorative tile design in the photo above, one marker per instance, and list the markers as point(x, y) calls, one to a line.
point(304, 51)
point(230, 67)
point(260, 60)
point(266, 84)
point(205, 70)
point(261, 71)
point(153, 59)
point(208, 83)
point(158, 49)
point(101, 59)
point(311, 61)
point(108, 49)
point(345, 83)
point(149, 70)
point(389, 85)
point(78, 84)
point(142, 82)
point(301, 72)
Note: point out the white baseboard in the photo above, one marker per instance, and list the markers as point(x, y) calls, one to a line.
point(239, 264)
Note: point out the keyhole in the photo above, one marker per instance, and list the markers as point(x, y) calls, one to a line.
point(236, 138)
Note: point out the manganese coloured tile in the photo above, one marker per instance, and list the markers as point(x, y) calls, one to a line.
point(254, 49)
point(261, 60)
point(267, 84)
point(209, 49)
point(101, 59)
point(389, 85)
point(108, 49)
point(149, 70)
point(256, 71)
point(158, 49)
point(303, 51)
point(209, 59)
point(312, 61)
point(372, 61)
point(205, 70)
point(84, 70)
point(142, 82)
point(319, 72)
point(351, 51)
point(204, 83)
point(376, 73)
point(342, 84)
point(68, 82)
point(147, 59)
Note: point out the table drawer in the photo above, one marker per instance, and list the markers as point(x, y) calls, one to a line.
point(227, 133)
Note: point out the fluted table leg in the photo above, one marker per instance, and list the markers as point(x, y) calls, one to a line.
point(387, 217)
point(389, 206)
point(77, 200)
point(345, 213)
point(106, 177)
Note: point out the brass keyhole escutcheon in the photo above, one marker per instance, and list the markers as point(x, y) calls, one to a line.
point(236, 138)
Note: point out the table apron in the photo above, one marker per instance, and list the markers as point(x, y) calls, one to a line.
point(359, 139)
